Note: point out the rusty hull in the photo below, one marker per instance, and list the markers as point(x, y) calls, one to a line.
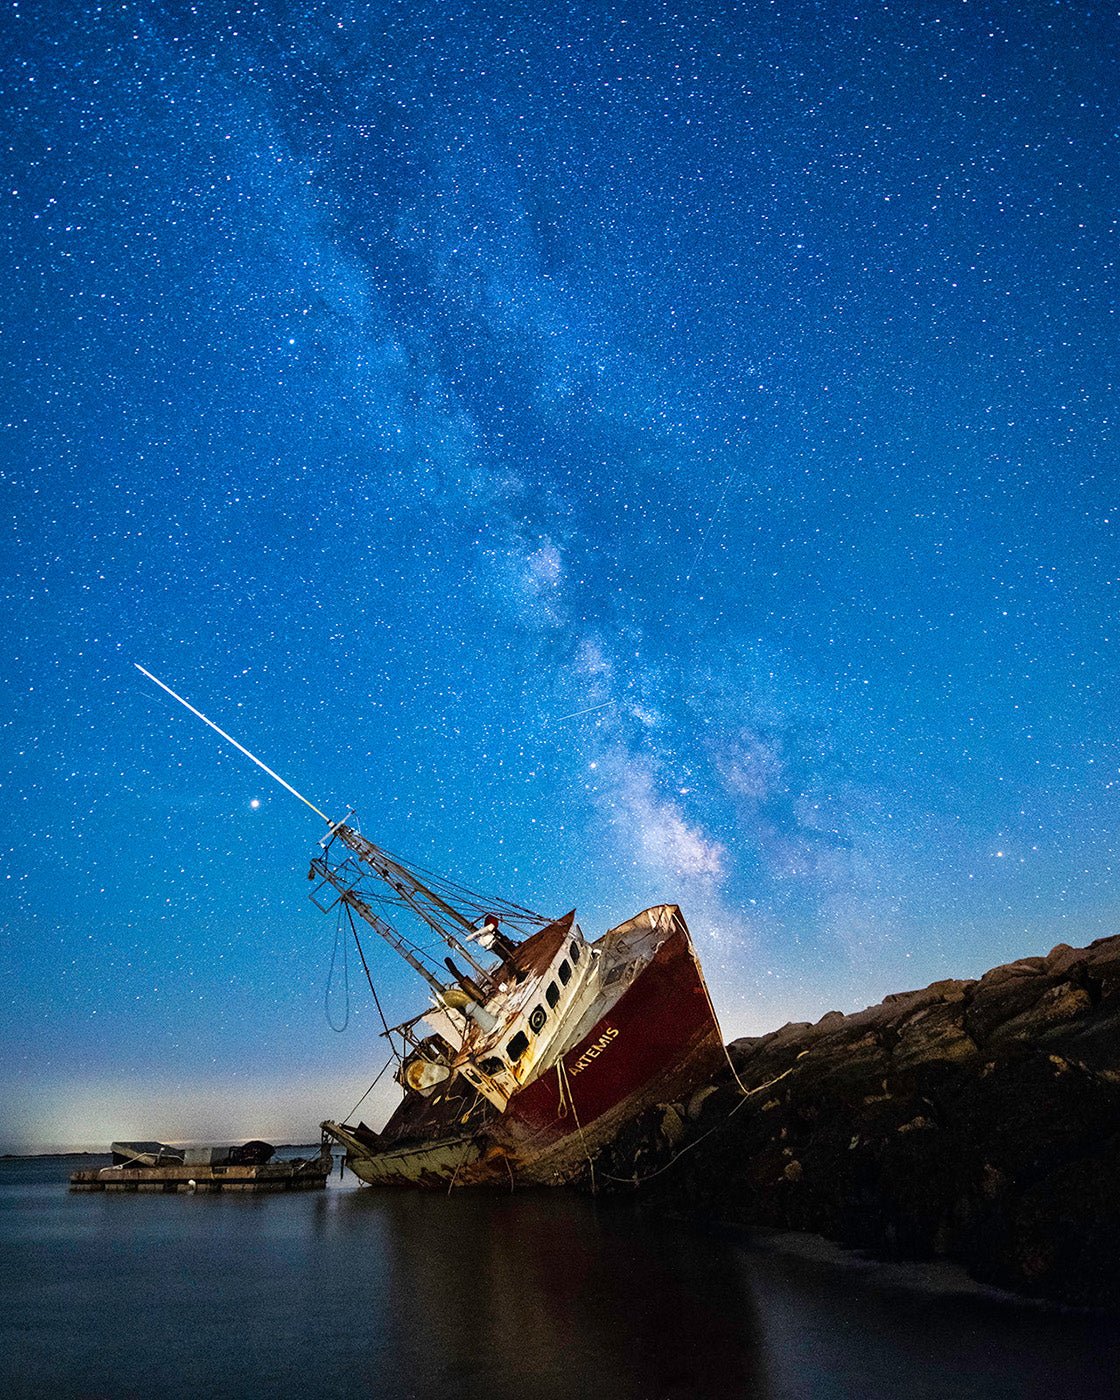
point(650, 1037)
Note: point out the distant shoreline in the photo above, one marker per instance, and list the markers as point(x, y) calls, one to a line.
point(45, 1156)
point(106, 1152)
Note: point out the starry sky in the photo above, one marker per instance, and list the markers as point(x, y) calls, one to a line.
point(629, 453)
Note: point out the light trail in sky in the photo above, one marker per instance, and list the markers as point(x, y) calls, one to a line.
point(589, 711)
point(229, 739)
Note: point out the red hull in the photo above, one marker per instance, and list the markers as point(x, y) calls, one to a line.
point(659, 1040)
point(656, 1042)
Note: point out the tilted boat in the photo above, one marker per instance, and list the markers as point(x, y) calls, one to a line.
point(537, 1045)
point(526, 1064)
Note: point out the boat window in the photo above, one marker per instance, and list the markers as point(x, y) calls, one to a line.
point(552, 994)
point(491, 1066)
point(565, 973)
point(517, 1047)
point(575, 951)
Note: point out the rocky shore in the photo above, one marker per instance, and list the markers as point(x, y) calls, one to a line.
point(972, 1120)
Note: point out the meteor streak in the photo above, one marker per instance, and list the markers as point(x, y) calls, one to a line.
point(589, 711)
point(229, 739)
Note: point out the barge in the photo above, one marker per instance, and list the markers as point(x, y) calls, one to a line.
point(155, 1167)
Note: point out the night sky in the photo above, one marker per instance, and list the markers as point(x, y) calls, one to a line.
point(629, 453)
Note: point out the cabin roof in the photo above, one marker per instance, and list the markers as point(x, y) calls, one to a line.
point(534, 957)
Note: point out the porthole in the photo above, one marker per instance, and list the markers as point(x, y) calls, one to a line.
point(575, 951)
point(565, 973)
point(517, 1047)
point(552, 994)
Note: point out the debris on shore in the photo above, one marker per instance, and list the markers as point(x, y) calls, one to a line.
point(977, 1121)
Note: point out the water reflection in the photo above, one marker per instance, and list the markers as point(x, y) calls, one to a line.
point(345, 1294)
point(542, 1295)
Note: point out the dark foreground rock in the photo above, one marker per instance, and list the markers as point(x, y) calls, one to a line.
point(978, 1121)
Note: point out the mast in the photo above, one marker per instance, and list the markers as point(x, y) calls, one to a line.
point(419, 898)
point(347, 896)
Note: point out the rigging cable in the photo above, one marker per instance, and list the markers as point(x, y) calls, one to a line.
point(369, 979)
point(345, 978)
point(746, 1094)
point(483, 903)
point(370, 1090)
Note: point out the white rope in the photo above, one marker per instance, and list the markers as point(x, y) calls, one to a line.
point(747, 1093)
point(566, 1089)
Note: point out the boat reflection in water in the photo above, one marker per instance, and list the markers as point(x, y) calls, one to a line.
point(538, 1295)
point(541, 1295)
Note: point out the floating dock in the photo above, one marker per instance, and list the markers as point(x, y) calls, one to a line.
point(301, 1174)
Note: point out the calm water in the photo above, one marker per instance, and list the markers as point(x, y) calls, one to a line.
point(350, 1292)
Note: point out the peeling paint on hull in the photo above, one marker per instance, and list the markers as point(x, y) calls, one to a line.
point(432, 1164)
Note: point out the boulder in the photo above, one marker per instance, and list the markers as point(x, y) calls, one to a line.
point(974, 1120)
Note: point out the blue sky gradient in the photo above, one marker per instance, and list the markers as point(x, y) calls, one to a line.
point(627, 453)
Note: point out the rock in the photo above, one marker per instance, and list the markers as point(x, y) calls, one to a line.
point(979, 1120)
point(1059, 1003)
point(672, 1125)
point(1062, 957)
point(697, 1101)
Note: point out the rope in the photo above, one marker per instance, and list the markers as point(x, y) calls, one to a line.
point(345, 979)
point(370, 1090)
point(442, 885)
point(483, 903)
point(565, 1091)
point(726, 1052)
point(718, 1127)
point(369, 979)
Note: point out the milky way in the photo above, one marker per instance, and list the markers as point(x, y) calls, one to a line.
point(627, 453)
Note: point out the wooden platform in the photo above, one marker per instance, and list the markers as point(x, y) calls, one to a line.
point(298, 1175)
